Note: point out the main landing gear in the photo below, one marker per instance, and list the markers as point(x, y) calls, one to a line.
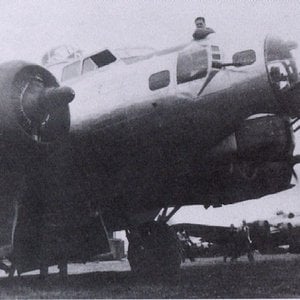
point(154, 250)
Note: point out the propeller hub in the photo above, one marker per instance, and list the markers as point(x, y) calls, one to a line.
point(56, 96)
point(39, 103)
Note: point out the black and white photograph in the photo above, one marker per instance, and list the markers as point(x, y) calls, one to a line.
point(149, 149)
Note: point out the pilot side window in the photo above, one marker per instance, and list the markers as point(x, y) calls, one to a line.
point(71, 71)
point(97, 61)
point(191, 65)
point(159, 80)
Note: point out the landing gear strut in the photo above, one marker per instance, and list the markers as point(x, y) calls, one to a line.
point(154, 250)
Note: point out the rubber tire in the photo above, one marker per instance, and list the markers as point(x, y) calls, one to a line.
point(157, 254)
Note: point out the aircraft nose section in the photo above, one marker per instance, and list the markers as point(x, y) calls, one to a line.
point(282, 69)
point(292, 100)
point(55, 97)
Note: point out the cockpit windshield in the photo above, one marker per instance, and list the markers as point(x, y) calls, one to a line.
point(71, 71)
point(97, 61)
point(89, 64)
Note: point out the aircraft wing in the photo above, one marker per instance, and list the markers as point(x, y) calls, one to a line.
point(264, 237)
point(208, 233)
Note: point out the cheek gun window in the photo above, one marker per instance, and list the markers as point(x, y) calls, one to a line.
point(191, 65)
point(159, 80)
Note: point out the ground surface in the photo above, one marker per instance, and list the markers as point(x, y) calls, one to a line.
point(276, 276)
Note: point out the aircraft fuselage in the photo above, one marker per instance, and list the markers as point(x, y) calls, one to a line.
point(176, 127)
point(145, 144)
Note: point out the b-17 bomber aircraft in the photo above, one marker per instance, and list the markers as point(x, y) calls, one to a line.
point(280, 230)
point(266, 236)
point(133, 135)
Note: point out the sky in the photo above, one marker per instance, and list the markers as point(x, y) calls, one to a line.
point(29, 28)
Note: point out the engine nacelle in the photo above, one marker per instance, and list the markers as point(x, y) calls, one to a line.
point(259, 138)
point(265, 138)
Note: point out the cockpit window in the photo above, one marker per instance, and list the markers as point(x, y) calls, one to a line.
point(191, 65)
point(71, 71)
point(97, 61)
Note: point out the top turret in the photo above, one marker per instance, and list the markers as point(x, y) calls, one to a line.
point(60, 54)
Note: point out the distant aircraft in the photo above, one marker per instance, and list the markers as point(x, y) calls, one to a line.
point(284, 230)
point(147, 131)
point(221, 241)
point(266, 235)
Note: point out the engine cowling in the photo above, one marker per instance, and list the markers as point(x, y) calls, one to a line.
point(33, 108)
point(263, 138)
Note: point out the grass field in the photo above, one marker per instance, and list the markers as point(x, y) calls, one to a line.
point(276, 276)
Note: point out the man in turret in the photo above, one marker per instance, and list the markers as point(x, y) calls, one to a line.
point(201, 31)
